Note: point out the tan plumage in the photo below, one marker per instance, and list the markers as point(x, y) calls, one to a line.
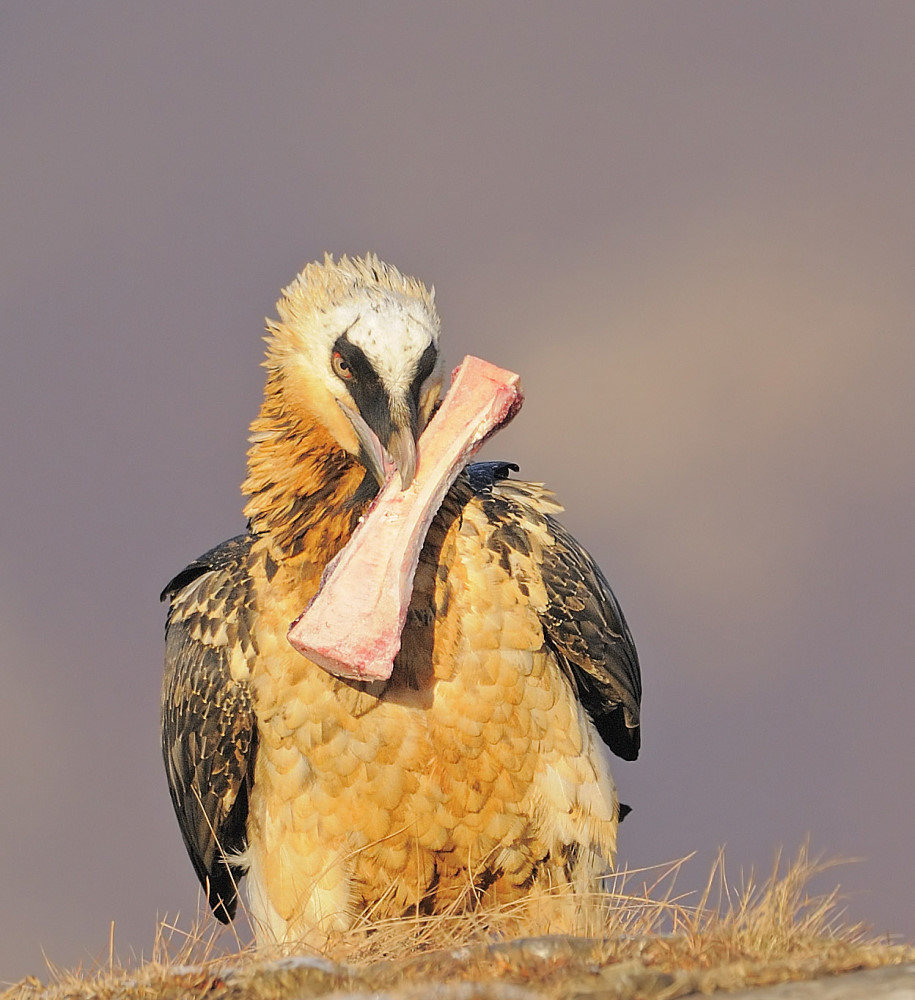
point(476, 773)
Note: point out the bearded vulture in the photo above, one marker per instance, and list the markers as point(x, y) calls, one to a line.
point(476, 773)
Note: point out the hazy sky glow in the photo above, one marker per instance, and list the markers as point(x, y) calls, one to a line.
point(690, 227)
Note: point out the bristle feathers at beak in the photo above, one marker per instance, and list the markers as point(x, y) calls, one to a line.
point(381, 460)
point(371, 451)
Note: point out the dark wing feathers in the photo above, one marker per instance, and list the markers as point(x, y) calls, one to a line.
point(586, 627)
point(484, 475)
point(208, 728)
point(582, 620)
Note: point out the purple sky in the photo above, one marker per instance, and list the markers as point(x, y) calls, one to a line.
point(690, 227)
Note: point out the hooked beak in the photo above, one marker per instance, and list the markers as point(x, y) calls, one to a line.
point(402, 449)
point(381, 461)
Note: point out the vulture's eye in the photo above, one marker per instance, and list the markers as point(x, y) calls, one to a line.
point(341, 367)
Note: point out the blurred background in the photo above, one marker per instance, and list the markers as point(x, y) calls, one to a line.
point(689, 226)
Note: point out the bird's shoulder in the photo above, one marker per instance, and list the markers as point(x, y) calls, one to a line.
point(581, 618)
point(208, 726)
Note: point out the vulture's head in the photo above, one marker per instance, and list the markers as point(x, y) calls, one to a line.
point(355, 350)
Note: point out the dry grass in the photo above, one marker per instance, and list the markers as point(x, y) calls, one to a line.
point(641, 939)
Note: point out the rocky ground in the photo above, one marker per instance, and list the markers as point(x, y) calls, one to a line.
point(774, 941)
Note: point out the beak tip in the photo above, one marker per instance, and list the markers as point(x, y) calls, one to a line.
point(402, 449)
point(407, 470)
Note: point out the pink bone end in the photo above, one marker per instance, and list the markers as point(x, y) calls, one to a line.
point(352, 626)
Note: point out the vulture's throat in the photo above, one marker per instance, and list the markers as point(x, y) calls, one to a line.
point(303, 489)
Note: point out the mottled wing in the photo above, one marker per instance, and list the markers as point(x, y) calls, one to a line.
point(208, 727)
point(586, 627)
point(582, 619)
